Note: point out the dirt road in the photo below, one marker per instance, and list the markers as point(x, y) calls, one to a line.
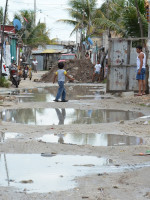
point(123, 175)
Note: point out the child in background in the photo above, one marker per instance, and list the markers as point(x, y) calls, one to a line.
point(61, 73)
point(97, 70)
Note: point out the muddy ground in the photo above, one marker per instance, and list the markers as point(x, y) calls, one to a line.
point(133, 184)
point(81, 70)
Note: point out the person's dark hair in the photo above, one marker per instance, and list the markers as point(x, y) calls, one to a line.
point(139, 47)
point(60, 65)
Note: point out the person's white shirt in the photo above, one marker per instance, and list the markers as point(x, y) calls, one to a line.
point(35, 62)
point(97, 67)
point(139, 62)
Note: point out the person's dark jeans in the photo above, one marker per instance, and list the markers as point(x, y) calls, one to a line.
point(61, 91)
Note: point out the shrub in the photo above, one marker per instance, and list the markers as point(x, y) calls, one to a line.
point(4, 82)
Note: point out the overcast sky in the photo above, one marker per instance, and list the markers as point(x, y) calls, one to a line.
point(48, 11)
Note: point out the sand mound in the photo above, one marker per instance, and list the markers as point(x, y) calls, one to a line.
point(81, 70)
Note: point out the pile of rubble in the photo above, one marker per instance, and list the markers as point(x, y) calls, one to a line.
point(81, 70)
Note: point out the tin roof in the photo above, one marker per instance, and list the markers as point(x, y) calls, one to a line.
point(48, 51)
point(51, 51)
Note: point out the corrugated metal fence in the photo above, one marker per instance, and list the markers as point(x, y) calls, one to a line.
point(122, 70)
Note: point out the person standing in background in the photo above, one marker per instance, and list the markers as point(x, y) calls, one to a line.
point(97, 71)
point(35, 63)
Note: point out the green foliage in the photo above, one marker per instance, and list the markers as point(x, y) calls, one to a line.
point(144, 105)
point(30, 34)
point(4, 82)
point(1, 15)
point(131, 23)
point(105, 80)
point(121, 16)
point(81, 12)
point(38, 36)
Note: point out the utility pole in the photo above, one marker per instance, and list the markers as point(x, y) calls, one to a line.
point(2, 39)
point(148, 43)
point(34, 13)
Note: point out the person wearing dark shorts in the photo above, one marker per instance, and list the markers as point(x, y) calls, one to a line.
point(141, 62)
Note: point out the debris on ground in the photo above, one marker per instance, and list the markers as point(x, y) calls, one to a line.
point(81, 70)
point(26, 181)
point(7, 98)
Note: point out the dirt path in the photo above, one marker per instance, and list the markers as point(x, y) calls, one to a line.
point(129, 184)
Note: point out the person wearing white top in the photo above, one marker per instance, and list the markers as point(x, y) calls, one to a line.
point(97, 70)
point(35, 63)
point(141, 65)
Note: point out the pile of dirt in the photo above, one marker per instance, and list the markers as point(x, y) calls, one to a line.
point(81, 70)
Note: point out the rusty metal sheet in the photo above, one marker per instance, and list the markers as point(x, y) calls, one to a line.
point(117, 79)
point(133, 83)
point(118, 52)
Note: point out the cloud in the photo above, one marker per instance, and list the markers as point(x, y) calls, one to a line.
point(47, 11)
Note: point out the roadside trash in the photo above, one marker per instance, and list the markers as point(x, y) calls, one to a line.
point(70, 88)
point(54, 153)
point(101, 189)
point(115, 187)
point(142, 154)
point(87, 165)
point(47, 154)
point(26, 181)
point(146, 123)
point(36, 80)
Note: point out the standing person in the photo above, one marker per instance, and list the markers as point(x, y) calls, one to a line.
point(61, 73)
point(141, 61)
point(35, 62)
point(97, 70)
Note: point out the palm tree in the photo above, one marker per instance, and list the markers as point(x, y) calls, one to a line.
point(123, 18)
point(30, 34)
point(2, 16)
point(81, 12)
point(38, 36)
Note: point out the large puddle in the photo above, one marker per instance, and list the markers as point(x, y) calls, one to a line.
point(48, 94)
point(9, 135)
point(36, 173)
point(92, 139)
point(51, 116)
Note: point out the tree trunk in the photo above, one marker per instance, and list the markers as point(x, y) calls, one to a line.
point(140, 21)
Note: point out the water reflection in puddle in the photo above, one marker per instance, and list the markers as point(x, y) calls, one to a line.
point(50, 116)
point(92, 139)
point(36, 173)
point(9, 135)
point(46, 174)
point(48, 94)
